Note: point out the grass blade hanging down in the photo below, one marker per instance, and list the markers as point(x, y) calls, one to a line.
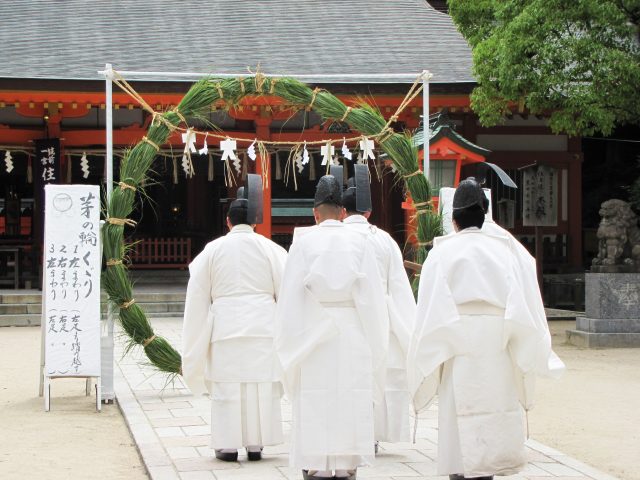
point(195, 104)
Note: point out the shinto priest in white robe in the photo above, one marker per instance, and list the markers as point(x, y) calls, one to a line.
point(227, 337)
point(332, 337)
point(392, 414)
point(480, 339)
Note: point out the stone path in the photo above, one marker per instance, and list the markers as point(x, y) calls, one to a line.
point(171, 429)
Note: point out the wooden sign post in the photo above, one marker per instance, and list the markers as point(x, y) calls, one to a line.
point(71, 286)
point(540, 205)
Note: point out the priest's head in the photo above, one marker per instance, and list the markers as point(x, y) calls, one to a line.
point(357, 197)
point(327, 203)
point(237, 213)
point(469, 205)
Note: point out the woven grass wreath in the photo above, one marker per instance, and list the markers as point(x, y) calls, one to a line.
point(198, 100)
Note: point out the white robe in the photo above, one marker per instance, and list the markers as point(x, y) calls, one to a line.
point(392, 414)
point(227, 336)
point(332, 337)
point(478, 343)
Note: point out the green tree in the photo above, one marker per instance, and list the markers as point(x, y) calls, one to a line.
point(577, 61)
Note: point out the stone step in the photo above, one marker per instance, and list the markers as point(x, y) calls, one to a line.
point(36, 308)
point(140, 296)
point(31, 320)
point(19, 320)
point(21, 298)
point(159, 276)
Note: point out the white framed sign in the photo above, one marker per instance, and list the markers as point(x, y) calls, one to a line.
point(445, 207)
point(71, 282)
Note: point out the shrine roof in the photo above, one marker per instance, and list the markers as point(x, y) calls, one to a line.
point(73, 39)
point(440, 126)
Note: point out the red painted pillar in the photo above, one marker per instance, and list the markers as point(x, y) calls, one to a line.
point(263, 133)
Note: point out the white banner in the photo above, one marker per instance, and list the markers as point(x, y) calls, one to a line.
point(445, 207)
point(71, 307)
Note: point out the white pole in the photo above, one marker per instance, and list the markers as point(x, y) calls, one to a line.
point(109, 125)
point(425, 122)
point(380, 77)
point(106, 379)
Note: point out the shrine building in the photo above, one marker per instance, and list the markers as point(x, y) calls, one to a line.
point(52, 96)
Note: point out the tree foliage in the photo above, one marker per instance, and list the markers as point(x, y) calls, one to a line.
point(575, 60)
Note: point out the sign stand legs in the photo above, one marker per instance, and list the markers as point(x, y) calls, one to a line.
point(98, 394)
point(47, 393)
point(46, 388)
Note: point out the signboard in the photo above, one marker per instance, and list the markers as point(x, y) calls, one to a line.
point(47, 163)
point(540, 197)
point(445, 206)
point(71, 285)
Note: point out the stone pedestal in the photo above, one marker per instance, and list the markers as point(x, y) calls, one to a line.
point(612, 307)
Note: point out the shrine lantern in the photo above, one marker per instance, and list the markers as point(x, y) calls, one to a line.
point(449, 152)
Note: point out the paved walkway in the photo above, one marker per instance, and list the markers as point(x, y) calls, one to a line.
point(171, 429)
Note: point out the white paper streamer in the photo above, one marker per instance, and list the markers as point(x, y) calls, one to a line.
point(367, 146)
point(8, 161)
point(305, 154)
point(346, 153)
point(205, 148)
point(327, 152)
point(251, 151)
point(84, 165)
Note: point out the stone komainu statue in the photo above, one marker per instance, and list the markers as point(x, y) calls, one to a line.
point(618, 237)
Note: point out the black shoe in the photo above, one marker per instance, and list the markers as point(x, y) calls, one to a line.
point(254, 456)
point(462, 477)
point(227, 456)
point(375, 447)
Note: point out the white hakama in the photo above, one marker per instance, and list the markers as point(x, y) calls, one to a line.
point(245, 414)
point(336, 390)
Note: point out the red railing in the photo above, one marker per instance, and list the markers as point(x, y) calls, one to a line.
point(160, 253)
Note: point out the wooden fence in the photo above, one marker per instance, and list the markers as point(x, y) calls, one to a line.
point(161, 253)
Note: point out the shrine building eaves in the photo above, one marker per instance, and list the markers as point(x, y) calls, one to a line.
point(72, 40)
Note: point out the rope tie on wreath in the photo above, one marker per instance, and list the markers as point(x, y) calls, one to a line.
point(414, 91)
point(313, 99)
point(146, 342)
point(219, 88)
point(125, 186)
point(121, 221)
point(128, 303)
point(241, 82)
point(151, 142)
point(417, 172)
point(180, 116)
point(113, 262)
point(422, 211)
point(425, 244)
point(346, 112)
point(421, 204)
point(272, 88)
point(385, 134)
point(259, 79)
